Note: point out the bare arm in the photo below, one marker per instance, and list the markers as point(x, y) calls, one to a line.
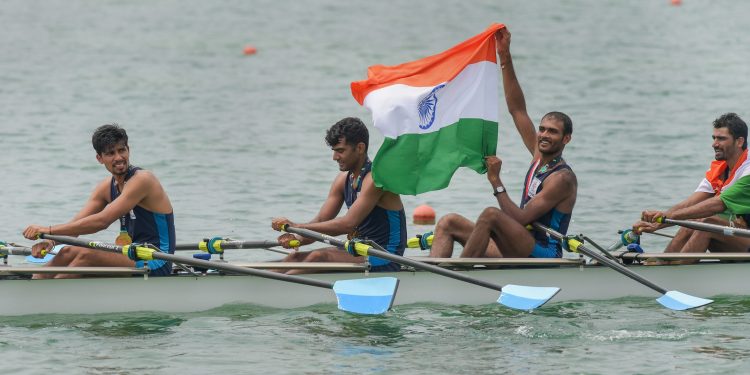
point(557, 187)
point(514, 97)
point(133, 193)
point(330, 209)
point(703, 209)
point(367, 199)
point(647, 224)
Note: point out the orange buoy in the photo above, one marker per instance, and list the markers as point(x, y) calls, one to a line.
point(424, 215)
point(249, 50)
point(676, 2)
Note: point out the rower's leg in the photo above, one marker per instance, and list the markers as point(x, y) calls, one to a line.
point(678, 242)
point(94, 258)
point(449, 229)
point(62, 259)
point(512, 239)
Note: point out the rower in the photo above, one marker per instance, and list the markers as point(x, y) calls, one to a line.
point(131, 195)
point(721, 198)
point(549, 194)
point(373, 214)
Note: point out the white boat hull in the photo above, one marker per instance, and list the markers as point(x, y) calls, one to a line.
point(190, 293)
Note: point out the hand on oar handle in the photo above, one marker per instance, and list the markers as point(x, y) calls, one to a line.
point(32, 232)
point(290, 241)
point(641, 227)
point(278, 223)
point(40, 249)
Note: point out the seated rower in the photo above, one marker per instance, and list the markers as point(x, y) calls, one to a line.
point(132, 195)
point(722, 197)
point(373, 213)
point(549, 192)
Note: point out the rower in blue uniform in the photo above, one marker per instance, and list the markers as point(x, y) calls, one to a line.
point(549, 193)
point(142, 226)
point(373, 214)
point(141, 204)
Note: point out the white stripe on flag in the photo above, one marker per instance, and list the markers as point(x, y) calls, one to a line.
point(472, 93)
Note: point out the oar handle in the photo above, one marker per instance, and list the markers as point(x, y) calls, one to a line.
point(146, 253)
point(367, 250)
point(577, 246)
point(727, 231)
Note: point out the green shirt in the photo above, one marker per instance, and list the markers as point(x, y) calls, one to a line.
point(737, 196)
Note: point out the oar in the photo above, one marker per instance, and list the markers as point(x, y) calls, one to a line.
point(218, 245)
point(514, 296)
point(10, 249)
point(671, 299)
point(706, 227)
point(362, 296)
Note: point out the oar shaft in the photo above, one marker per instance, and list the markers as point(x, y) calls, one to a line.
point(15, 250)
point(193, 262)
point(727, 231)
point(229, 245)
point(604, 260)
point(396, 258)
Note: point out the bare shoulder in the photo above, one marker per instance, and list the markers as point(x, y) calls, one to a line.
point(144, 177)
point(339, 181)
point(565, 177)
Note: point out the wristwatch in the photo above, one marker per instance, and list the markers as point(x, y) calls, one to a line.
point(498, 190)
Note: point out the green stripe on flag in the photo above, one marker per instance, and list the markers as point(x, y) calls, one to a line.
point(417, 163)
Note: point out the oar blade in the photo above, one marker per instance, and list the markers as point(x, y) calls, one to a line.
point(680, 301)
point(366, 296)
point(526, 298)
point(47, 258)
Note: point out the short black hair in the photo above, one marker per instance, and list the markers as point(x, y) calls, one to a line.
point(737, 128)
point(352, 129)
point(107, 136)
point(565, 119)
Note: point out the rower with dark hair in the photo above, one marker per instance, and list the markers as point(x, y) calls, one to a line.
point(130, 194)
point(722, 197)
point(373, 213)
point(549, 194)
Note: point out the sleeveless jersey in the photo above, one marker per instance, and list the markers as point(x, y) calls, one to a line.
point(553, 218)
point(387, 228)
point(147, 227)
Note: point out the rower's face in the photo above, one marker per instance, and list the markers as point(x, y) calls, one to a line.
point(725, 146)
point(116, 159)
point(346, 155)
point(550, 138)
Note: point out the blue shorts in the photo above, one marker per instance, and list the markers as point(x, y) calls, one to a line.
point(549, 251)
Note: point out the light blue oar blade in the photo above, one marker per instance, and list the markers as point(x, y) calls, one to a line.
point(366, 296)
point(47, 258)
point(680, 301)
point(522, 297)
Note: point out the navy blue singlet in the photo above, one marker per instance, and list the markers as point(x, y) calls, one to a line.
point(147, 227)
point(387, 228)
point(546, 247)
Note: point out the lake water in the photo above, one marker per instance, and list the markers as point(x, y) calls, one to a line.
point(237, 140)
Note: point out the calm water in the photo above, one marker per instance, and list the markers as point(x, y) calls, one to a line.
point(238, 139)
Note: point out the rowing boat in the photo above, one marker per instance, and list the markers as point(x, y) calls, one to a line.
point(185, 292)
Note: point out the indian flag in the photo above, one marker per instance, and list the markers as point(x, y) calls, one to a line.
point(437, 114)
